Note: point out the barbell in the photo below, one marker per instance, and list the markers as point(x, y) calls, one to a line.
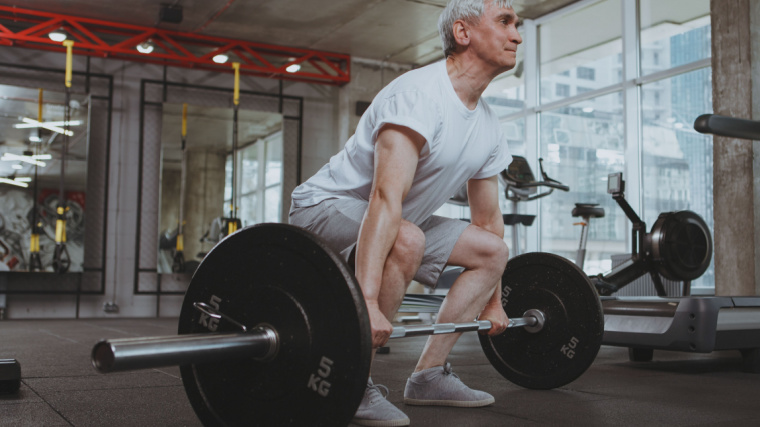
point(273, 330)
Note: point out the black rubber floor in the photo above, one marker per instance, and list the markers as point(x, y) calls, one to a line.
point(60, 387)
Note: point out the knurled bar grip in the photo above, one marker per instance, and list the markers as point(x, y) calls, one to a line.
point(451, 328)
point(260, 343)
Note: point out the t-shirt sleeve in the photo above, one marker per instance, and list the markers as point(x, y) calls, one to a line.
point(410, 109)
point(497, 161)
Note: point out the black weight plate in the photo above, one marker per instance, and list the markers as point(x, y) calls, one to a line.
point(282, 276)
point(572, 335)
point(681, 245)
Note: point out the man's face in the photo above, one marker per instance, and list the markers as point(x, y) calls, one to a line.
point(495, 37)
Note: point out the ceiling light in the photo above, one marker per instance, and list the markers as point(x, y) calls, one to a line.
point(17, 166)
point(42, 157)
point(220, 58)
point(35, 138)
point(13, 182)
point(293, 68)
point(23, 179)
point(145, 47)
point(10, 157)
point(36, 124)
point(588, 109)
point(58, 35)
point(54, 126)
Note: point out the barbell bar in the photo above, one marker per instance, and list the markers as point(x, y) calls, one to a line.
point(312, 340)
point(260, 343)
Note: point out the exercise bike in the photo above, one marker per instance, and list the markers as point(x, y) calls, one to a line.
point(521, 186)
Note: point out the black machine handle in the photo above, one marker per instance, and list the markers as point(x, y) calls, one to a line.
point(554, 184)
point(727, 126)
point(520, 189)
point(548, 182)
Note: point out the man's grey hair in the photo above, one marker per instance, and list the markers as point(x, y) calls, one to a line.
point(467, 10)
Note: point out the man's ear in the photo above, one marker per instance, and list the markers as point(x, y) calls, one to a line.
point(461, 33)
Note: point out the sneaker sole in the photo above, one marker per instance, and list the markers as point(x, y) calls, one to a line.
point(455, 403)
point(380, 423)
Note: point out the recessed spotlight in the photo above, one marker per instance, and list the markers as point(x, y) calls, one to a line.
point(145, 47)
point(58, 35)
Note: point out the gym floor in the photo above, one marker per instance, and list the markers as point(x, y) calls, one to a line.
point(60, 387)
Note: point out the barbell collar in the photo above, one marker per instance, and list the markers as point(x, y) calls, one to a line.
point(126, 354)
point(216, 314)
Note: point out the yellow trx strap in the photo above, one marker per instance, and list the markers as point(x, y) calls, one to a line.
point(69, 45)
point(236, 95)
point(60, 226)
point(34, 245)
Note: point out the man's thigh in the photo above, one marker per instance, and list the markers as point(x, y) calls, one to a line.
point(336, 221)
point(441, 235)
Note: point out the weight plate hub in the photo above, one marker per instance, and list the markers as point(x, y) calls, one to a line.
point(572, 335)
point(284, 277)
point(681, 245)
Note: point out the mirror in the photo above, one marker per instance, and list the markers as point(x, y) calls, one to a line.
point(207, 190)
point(30, 175)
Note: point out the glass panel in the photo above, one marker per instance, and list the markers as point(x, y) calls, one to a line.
point(677, 161)
point(272, 204)
point(506, 93)
point(227, 183)
point(581, 144)
point(249, 209)
point(575, 61)
point(31, 149)
point(274, 160)
point(514, 132)
point(249, 171)
point(673, 33)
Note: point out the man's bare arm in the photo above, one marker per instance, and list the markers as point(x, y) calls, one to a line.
point(397, 151)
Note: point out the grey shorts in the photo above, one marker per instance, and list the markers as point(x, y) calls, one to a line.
point(337, 221)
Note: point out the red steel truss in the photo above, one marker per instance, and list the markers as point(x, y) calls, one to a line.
point(94, 37)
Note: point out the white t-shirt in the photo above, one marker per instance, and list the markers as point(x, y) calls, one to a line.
point(461, 144)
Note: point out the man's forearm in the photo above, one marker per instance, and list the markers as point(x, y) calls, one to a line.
point(378, 232)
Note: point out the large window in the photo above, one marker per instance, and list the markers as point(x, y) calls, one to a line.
point(260, 181)
point(580, 49)
point(673, 33)
point(611, 98)
point(581, 144)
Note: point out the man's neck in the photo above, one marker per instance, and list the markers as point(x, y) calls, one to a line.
point(468, 80)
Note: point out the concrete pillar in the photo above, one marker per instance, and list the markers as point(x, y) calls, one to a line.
point(754, 22)
point(734, 173)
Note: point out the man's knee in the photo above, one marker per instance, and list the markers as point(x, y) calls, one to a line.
point(495, 254)
point(410, 243)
